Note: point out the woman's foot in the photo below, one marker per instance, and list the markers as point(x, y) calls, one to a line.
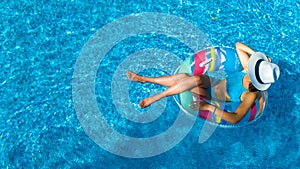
point(146, 102)
point(134, 77)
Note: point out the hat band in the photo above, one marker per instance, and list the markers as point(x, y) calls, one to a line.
point(257, 71)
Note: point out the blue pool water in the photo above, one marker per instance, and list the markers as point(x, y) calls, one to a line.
point(40, 44)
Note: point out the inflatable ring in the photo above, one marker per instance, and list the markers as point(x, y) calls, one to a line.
point(209, 61)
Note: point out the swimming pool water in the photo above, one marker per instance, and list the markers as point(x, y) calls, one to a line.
point(41, 41)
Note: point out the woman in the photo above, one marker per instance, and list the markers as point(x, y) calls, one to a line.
point(257, 75)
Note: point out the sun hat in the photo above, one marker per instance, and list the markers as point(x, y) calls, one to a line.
point(261, 72)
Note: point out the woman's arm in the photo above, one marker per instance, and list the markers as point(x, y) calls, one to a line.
point(243, 52)
point(239, 113)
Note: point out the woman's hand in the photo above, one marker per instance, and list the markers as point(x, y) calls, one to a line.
point(199, 105)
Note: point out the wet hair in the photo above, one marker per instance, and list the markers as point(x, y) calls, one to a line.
point(252, 88)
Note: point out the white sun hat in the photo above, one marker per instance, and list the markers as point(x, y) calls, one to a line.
point(262, 73)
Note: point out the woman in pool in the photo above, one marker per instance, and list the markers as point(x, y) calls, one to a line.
point(257, 75)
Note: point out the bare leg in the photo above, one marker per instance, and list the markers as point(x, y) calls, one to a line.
point(181, 86)
point(221, 92)
point(201, 91)
point(164, 80)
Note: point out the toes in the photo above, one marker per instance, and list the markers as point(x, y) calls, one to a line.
point(129, 74)
point(142, 104)
point(132, 76)
point(145, 103)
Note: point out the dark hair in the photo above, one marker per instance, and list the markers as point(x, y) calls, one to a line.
point(252, 88)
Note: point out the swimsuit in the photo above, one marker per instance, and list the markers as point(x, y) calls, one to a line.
point(234, 85)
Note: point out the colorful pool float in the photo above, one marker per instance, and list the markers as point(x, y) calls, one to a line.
point(213, 61)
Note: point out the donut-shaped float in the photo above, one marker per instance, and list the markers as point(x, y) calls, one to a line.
point(220, 61)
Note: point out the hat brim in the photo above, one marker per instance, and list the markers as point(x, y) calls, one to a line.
point(251, 70)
